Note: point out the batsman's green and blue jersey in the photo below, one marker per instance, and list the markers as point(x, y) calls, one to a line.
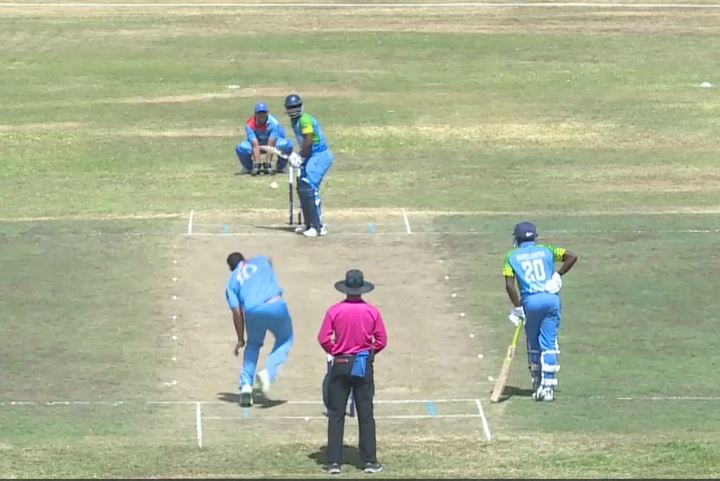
point(307, 124)
point(532, 264)
point(251, 284)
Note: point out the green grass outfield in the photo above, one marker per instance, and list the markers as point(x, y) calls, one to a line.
point(116, 122)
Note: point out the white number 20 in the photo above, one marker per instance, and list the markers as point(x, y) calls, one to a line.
point(534, 270)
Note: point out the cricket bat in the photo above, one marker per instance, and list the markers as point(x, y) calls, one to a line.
point(505, 371)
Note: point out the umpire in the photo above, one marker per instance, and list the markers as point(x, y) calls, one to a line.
point(352, 332)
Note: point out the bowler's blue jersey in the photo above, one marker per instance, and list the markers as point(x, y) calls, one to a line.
point(251, 284)
point(532, 264)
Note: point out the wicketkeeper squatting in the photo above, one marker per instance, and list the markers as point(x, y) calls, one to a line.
point(533, 265)
point(262, 129)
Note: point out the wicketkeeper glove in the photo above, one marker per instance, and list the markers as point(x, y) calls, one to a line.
point(517, 314)
point(554, 284)
point(295, 160)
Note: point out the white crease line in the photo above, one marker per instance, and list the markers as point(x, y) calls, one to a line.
point(483, 418)
point(357, 234)
point(307, 418)
point(190, 222)
point(375, 212)
point(220, 403)
point(373, 5)
point(317, 403)
point(380, 401)
point(198, 424)
point(670, 398)
point(408, 231)
point(407, 221)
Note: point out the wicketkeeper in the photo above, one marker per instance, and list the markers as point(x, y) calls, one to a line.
point(533, 265)
point(314, 161)
point(262, 129)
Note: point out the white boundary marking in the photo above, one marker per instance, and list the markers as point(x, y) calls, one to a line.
point(379, 6)
point(407, 221)
point(483, 418)
point(198, 424)
point(190, 222)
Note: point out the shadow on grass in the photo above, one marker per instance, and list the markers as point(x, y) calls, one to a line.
point(283, 227)
point(259, 401)
point(511, 391)
point(350, 455)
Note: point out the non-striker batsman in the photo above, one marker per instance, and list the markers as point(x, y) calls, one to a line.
point(533, 265)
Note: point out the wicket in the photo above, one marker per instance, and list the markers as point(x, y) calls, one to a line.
point(293, 175)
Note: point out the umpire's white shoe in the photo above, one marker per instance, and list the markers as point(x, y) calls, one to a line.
point(312, 232)
point(301, 229)
point(263, 379)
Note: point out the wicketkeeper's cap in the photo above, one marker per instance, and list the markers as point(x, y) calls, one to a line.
point(525, 231)
point(260, 107)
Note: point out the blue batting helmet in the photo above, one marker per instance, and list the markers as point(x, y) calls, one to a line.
point(293, 106)
point(524, 231)
point(261, 107)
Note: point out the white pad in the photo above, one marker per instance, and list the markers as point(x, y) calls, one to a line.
point(549, 368)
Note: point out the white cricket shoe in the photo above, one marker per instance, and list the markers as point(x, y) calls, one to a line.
point(311, 232)
point(301, 229)
point(263, 379)
point(246, 399)
point(544, 393)
point(323, 230)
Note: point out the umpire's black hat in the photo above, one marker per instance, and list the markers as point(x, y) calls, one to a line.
point(354, 283)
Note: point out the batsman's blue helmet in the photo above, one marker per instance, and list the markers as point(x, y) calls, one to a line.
point(261, 107)
point(293, 106)
point(524, 231)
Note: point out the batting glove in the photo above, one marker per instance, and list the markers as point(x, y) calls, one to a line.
point(517, 314)
point(554, 284)
point(295, 160)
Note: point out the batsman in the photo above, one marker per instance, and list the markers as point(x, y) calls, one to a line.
point(314, 161)
point(532, 266)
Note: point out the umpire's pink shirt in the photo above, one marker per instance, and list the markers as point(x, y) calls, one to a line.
point(357, 325)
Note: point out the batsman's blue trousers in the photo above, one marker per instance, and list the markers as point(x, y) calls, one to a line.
point(244, 153)
point(542, 321)
point(273, 317)
point(311, 176)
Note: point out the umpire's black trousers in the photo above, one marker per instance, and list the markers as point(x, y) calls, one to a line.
point(339, 386)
